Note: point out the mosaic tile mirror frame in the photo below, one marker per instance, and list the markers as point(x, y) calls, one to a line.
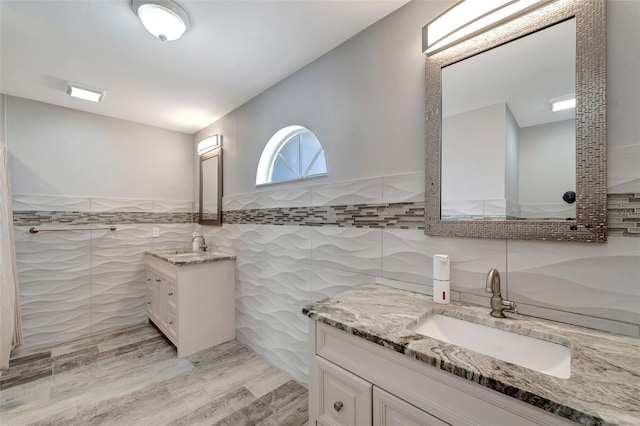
point(590, 222)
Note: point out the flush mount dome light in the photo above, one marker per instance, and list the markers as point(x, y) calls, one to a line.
point(164, 19)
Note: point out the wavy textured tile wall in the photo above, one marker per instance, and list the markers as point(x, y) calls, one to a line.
point(55, 285)
point(75, 283)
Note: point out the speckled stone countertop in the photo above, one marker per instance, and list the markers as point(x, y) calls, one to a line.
point(185, 257)
point(604, 387)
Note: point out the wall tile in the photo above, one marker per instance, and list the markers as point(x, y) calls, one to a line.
point(403, 188)
point(294, 197)
point(118, 276)
point(173, 236)
point(624, 178)
point(348, 249)
point(361, 191)
point(54, 281)
point(269, 299)
point(326, 282)
point(254, 200)
point(408, 256)
point(120, 205)
point(172, 206)
point(219, 238)
point(581, 320)
point(23, 202)
point(599, 280)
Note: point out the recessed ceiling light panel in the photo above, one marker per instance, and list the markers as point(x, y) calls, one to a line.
point(83, 92)
point(164, 19)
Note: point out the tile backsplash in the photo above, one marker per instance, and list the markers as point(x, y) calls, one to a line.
point(289, 254)
point(296, 246)
point(76, 283)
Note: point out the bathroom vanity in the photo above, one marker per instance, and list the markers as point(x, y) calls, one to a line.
point(370, 363)
point(191, 298)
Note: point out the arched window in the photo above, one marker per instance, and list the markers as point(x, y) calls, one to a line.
point(292, 153)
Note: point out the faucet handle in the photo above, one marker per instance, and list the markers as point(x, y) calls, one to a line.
point(509, 306)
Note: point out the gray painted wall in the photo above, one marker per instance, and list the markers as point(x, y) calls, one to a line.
point(64, 152)
point(364, 100)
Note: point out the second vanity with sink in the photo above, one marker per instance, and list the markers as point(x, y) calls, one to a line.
point(384, 356)
point(191, 298)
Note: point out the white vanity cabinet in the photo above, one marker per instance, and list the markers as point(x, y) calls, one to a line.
point(193, 305)
point(373, 385)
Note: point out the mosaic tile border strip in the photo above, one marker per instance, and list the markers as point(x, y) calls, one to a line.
point(39, 218)
point(623, 212)
point(390, 215)
point(624, 215)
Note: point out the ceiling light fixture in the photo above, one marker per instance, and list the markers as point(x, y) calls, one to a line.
point(209, 144)
point(563, 102)
point(468, 18)
point(83, 92)
point(164, 19)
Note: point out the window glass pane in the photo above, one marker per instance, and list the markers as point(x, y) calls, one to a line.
point(319, 167)
point(290, 151)
point(309, 146)
point(280, 171)
point(287, 157)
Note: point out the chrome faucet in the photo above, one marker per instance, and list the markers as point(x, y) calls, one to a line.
point(204, 243)
point(498, 304)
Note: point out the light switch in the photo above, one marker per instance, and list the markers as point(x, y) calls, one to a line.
point(156, 232)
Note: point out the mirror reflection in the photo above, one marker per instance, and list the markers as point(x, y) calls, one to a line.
point(211, 188)
point(505, 153)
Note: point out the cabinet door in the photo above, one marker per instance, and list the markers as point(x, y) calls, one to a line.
point(389, 410)
point(345, 399)
point(150, 288)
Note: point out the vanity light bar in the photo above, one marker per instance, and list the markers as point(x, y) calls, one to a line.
point(468, 18)
point(76, 90)
point(209, 144)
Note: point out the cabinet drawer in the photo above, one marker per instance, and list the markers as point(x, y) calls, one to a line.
point(389, 410)
point(344, 399)
point(163, 267)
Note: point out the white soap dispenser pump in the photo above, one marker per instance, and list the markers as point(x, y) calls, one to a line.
point(441, 279)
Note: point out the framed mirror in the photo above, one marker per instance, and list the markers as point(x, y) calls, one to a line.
point(500, 162)
point(210, 210)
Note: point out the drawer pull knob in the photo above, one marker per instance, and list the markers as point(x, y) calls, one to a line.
point(170, 322)
point(158, 280)
point(337, 405)
point(148, 303)
point(171, 294)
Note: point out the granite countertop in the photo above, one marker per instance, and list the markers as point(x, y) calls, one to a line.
point(187, 257)
point(604, 386)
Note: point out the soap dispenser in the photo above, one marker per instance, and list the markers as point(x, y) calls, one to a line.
point(441, 279)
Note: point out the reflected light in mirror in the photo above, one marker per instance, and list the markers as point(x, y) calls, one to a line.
point(469, 18)
point(562, 105)
point(209, 144)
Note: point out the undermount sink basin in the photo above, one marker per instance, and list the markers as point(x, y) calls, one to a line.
point(536, 354)
point(190, 254)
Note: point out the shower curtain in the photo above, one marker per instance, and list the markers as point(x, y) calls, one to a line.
point(10, 319)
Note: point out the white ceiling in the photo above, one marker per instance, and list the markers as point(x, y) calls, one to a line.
point(233, 51)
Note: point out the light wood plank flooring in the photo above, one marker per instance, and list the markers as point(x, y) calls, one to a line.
point(133, 377)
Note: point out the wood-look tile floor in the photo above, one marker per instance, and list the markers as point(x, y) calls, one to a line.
point(133, 377)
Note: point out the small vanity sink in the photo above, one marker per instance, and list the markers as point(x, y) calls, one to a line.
point(189, 254)
point(529, 352)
